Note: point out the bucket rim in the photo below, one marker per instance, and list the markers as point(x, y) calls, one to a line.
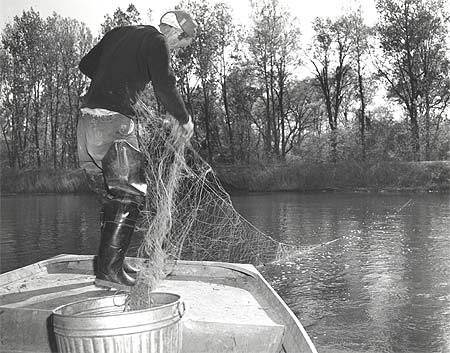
point(58, 314)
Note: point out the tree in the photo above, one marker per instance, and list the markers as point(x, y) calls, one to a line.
point(40, 89)
point(414, 63)
point(203, 53)
point(299, 117)
point(5, 121)
point(227, 37)
point(330, 57)
point(121, 18)
point(274, 48)
point(360, 36)
point(74, 42)
point(22, 90)
point(435, 85)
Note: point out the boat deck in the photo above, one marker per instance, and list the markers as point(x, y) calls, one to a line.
point(229, 307)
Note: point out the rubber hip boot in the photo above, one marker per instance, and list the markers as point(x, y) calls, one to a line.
point(124, 174)
point(130, 269)
point(119, 220)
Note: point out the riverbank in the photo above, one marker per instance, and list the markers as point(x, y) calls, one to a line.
point(379, 177)
point(44, 181)
point(346, 176)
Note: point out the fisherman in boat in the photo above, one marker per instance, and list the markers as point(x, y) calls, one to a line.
point(120, 66)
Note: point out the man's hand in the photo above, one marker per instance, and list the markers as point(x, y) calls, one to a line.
point(184, 132)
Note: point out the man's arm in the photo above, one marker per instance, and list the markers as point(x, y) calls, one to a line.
point(164, 81)
point(89, 63)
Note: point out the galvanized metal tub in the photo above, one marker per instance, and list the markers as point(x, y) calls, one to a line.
point(101, 325)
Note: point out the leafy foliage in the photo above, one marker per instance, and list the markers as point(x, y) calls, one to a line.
point(41, 89)
point(130, 16)
point(245, 85)
point(415, 65)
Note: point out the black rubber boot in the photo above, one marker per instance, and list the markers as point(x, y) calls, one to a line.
point(130, 269)
point(119, 220)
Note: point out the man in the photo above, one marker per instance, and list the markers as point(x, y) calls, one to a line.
point(120, 66)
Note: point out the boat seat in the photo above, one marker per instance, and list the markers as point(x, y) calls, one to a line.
point(221, 318)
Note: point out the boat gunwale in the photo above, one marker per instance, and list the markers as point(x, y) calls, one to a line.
point(259, 283)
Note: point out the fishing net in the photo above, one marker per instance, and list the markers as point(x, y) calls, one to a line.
point(188, 215)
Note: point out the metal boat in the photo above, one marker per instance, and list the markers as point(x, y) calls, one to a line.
point(229, 307)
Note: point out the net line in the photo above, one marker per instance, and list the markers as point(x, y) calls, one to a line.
point(188, 215)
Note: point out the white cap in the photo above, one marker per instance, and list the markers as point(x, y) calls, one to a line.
point(181, 20)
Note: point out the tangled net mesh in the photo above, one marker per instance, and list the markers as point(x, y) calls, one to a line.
point(187, 214)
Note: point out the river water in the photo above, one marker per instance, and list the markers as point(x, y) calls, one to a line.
point(373, 274)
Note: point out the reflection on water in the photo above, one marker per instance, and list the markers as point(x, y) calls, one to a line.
point(373, 275)
point(36, 227)
point(380, 282)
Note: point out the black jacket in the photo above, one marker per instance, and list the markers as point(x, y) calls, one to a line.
point(123, 63)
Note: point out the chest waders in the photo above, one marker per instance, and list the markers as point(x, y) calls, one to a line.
point(123, 171)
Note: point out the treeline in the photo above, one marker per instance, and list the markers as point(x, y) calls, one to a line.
point(41, 88)
point(369, 93)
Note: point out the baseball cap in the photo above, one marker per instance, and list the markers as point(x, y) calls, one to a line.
point(181, 20)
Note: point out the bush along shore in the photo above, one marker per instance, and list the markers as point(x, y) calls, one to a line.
point(345, 176)
point(383, 176)
point(45, 181)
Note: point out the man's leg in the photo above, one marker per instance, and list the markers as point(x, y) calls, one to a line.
point(123, 170)
point(119, 218)
point(98, 152)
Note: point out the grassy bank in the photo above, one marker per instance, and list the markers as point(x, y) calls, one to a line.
point(417, 176)
point(44, 181)
point(420, 176)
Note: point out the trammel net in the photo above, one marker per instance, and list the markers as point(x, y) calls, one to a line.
point(188, 215)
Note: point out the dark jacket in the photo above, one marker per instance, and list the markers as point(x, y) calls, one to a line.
point(123, 63)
